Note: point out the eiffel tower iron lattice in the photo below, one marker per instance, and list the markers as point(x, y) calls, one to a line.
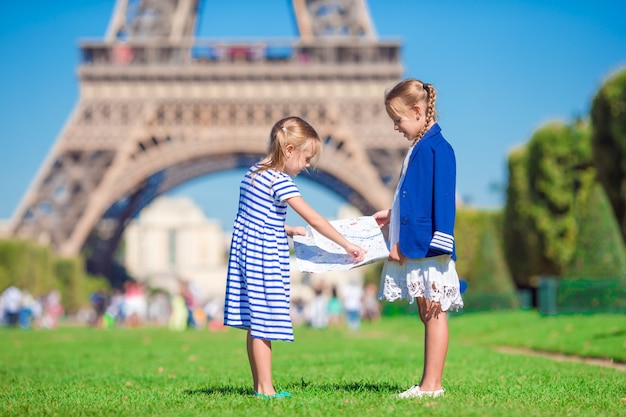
point(158, 107)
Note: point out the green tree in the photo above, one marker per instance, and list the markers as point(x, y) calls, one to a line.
point(469, 228)
point(600, 252)
point(27, 266)
point(70, 276)
point(491, 285)
point(608, 117)
point(35, 268)
point(559, 168)
point(75, 284)
point(548, 178)
point(519, 236)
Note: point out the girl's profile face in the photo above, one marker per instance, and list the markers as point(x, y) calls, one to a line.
point(408, 120)
point(298, 160)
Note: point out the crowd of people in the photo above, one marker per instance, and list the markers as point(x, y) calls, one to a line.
point(331, 307)
point(135, 306)
point(20, 309)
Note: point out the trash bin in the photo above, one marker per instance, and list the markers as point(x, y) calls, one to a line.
point(546, 300)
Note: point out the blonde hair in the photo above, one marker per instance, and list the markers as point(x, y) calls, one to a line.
point(293, 131)
point(410, 92)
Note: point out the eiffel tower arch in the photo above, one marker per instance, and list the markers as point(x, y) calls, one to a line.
point(158, 107)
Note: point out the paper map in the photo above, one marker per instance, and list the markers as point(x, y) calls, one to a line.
point(315, 253)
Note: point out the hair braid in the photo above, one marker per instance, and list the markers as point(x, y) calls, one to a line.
point(410, 92)
point(429, 112)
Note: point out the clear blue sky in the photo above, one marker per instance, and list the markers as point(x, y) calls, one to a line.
point(501, 68)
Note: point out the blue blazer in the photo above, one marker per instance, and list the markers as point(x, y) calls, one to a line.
point(427, 199)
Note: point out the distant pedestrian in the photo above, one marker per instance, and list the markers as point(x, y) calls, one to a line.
point(135, 303)
point(352, 296)
point(99, 301)
point(179, 313)
point(28, 310)
point(421, 227)
point(116, 307)
point(317, 308)
point(11, 302)
point(258, 283)
point(52, 310)
point(371, 306)
point(335, 308)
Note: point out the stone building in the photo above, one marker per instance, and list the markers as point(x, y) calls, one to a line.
point(172, 240)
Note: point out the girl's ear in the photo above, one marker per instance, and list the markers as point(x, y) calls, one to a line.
point(417, 109)
point(289, 149)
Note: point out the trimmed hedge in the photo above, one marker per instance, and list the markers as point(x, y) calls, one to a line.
point(600, 250)
point(35, 268)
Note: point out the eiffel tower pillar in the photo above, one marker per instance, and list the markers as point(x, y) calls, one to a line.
point(158, 107)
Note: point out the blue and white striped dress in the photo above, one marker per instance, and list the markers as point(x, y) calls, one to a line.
point(257, 287)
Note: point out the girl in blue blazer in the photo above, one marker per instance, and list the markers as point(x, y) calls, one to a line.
point(421, 263)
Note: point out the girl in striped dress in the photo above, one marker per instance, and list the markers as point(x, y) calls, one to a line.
point(257, 288)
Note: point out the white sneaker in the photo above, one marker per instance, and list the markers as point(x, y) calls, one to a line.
point(412, 392)
point(415, 392)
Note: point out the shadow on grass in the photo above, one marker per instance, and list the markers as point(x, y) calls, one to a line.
point(220, 389)
point(615, 333)
point(347, 386)
point(357, 386)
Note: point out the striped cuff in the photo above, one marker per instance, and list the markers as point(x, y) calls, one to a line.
point(442, 242)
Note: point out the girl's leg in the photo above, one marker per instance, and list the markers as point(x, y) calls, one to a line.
point(260, 358)
point(435, 343)
point(255, 376)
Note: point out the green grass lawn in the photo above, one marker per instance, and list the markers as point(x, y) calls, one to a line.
point(333, 372)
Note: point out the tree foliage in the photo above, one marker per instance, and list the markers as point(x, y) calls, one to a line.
point(547, 180)
point(490, 286)
point(600, 252)
point(469, 228)
point(520, 238)
point(559, 174)
point(26, 266)
point(35, 268)
point(481, 260)
point(608, 116)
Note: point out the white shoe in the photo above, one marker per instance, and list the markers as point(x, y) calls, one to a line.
point(415, 392)
point(412, 392)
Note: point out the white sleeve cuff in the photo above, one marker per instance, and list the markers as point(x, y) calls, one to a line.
point(443, 242)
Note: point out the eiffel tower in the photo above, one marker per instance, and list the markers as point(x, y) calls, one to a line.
point(158, 107)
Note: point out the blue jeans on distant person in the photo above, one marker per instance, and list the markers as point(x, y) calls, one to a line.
point(191, 321)
point(24, 318)
point(353, 319)
point(10, 318)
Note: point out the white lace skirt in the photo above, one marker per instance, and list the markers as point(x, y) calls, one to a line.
point(432, 278)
